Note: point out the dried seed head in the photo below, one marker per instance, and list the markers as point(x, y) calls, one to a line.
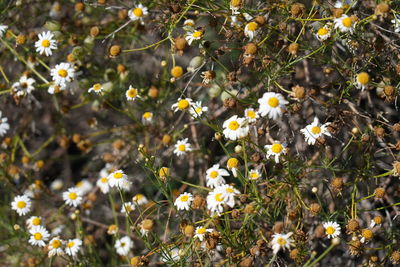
point(255, 251)
point(249, 209)
point(147, 224)
point(189, 230)
point(315, 208)
point(118, 144)
point(382, 9)
point(198, 202)
point(355, 247)
point(256, 157)
point(396, 127)
point(299, 92)
point(396, 168)
point(25, 160)
point(79, 7)
point(115, 50)
point(319, 231)
point(153, 92)
point(235, 214)
point(293, 48)
point(389, 90)
point(395, 257)
point(230, 103)
point(365, 138)
point(337, 184)
point(21, 39)
point(94, 31)
point(352, 226)
point(337, 12)
point(294, 254)
point(379, 192)
point(297, 10)
point(260, 20)
point(278, 227)
point(379, 132)
point(180, 43)
point(108, 157)
point(246, 262)
point(250, 49)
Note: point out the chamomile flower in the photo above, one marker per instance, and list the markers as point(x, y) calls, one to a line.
point(323, 33)
point(395, 21)
point(102, 183)
point(235, 6)
point(117, 178)
point(147, 117)
point(315, 130)
point(39, 235)
point(73, 246)
point(194, 35)
point(182, 104)
point(4, 126)
point(132, 93)
point(56, 88)
point(56, 185)
point(139, 199)
point(344, 24)
point(182, 146)
point(332, 229)
point(72, 197)
point(84, 186)
point(24, 86)
point(33, 221)
point(251, 115)
point(366, 235)
point(228, 193)
point(235, 128)
point(127, 208)
point(46, 43)
point(55, 247)
point(138, 13)
point(345, 3)
point(3, 29)
point(250, 30)
point(272, 104)
point(376, 221)
point(62, 73)
point(196, 110)
point(276, 150)
point(215, 201)
point(214, 176)
point(281, 241)
point(184, 201)
point(361, 81)
point(254, 174)
point(21, 204)
point(189, 23)
point(96, 88)
point(232, 164)
point(201, 231)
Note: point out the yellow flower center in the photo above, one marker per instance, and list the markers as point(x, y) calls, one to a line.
point(201, 231)
point(37, 236)
point(138, 12)
point(316, 130)
point(367, 234)
point(181, 147)
point(198, 110)
point(252, 26)
point(79, 184)
point(70, 244)
point(233, 125)
point(229, 190)
point(218, 197)
point(138, 197)
point(36, 221)
point(118, 175)
point(214, 174)
point(322, 31)
point(164, 171)
point(104, 180)
point(147, 115)
point(63, 73)
point(24, 85)
point(21, 204)
point(183, 104)
point(330, 230)
point(251, 114)
point(235, 3)
point(184, 198)
point(363, 78)
point(276, 148)
point(45, 43)
point(73, 195)
point(197, 34)
point(128, 208)
point(347, 22)
point(281, 241)
point(177, 71)
point(253, 175)
point(56, 243)
point(132, 93)
point(232, 163)
point(273, 102)
point(97, 87)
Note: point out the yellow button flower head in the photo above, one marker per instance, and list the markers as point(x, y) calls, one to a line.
point(362, 80)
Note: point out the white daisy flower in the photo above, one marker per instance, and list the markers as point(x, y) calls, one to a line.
point(46, 43)
point(96, 88)
point(147, 117)
point(232, 164)
point(123, 246)
point(251, 115)
point(214, 176)
point(24, 86)
point(201, 231)
point(131, 94)
point(332, 229)
point(196, 110)
point(250, 30)
point(102, 183)
point(344, 24)
point(323, 33)
point(126, 186)
point(395, 21)
point(276, 150)
point(140, 199)
point(235, 128)
point(315, 130)
point(272, 104)
point(4, 126)
point(235, 6)
point(117, 178)
point(84, 186)
point(281, 241)
point(195, 35)
point(228, 193)
point(127, 208)
point(21, 204)
point(254, 174)
point(182, 104)
point(189, 23)
point(345, 3)
point(56, 88)
point(376, 221)
point(73, 246)
point(3, 29)
point(361, 81)
point(56, 185)
point(182, 146)
point(216, 201)
point(72, 197)
point(33, 221)
point(184, 201)
point(62, 74)
point(39, 235)
point(138, 13)
point(55, 247)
